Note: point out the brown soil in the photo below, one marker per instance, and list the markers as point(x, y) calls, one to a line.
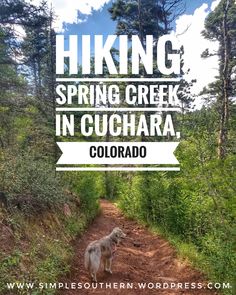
point(141, 257)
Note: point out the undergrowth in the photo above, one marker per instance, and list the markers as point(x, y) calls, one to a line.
point(42, 250)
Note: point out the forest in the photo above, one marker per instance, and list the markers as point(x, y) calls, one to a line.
point(43, 211)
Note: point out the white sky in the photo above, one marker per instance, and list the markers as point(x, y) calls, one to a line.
point(204, 70)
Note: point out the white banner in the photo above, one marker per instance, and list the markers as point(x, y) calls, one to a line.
point(115, 153)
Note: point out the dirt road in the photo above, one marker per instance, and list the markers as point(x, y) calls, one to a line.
point(142, 257)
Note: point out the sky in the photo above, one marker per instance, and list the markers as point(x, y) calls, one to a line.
point(91, 17)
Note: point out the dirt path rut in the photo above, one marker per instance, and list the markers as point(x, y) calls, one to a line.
point(141, 258)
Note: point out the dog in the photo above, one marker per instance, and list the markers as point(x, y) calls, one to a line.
point(102, 251)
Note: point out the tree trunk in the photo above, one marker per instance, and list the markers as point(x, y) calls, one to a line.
point(223, 133)
point(52, 80)
point(141, 34)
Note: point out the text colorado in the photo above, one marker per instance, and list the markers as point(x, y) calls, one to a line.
point(118, 152)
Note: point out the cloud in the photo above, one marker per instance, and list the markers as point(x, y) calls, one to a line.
point(188, 32)
point(215, 4)
point(67, 10)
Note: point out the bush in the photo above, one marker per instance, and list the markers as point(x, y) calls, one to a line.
point(31, 184)
point(88, 186)
point(197, 206)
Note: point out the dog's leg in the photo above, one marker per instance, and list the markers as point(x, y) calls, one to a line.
point(104, 262)
point(106, 267)
point(109, 265)
point(94, 277)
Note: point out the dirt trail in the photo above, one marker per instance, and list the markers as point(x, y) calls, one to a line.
point(142, 257)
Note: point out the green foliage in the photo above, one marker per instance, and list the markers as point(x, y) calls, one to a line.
point(220, 25)
point(46, 251)
point(190, 211)
point(137, 17)
point(30, 183)
point(88, 186)
point(75, 225)
point(54, 262)
point(8, 262)
point(112, 185)
point(196, 207)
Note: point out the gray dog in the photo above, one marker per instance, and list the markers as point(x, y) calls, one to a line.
point(102, 250)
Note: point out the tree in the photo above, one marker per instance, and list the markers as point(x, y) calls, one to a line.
point(39, 53)
point(27, 77)
point(171, 9)
point(138, 17)
point(220, 26)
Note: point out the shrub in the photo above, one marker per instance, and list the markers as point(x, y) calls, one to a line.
point(88, 186)
point(30, 183)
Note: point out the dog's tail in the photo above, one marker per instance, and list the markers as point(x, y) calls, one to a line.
point(91, 259)
point(87, 260)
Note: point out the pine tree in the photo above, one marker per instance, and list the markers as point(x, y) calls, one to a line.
point(171, 10)
point(220, 26)
point(138, 17)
